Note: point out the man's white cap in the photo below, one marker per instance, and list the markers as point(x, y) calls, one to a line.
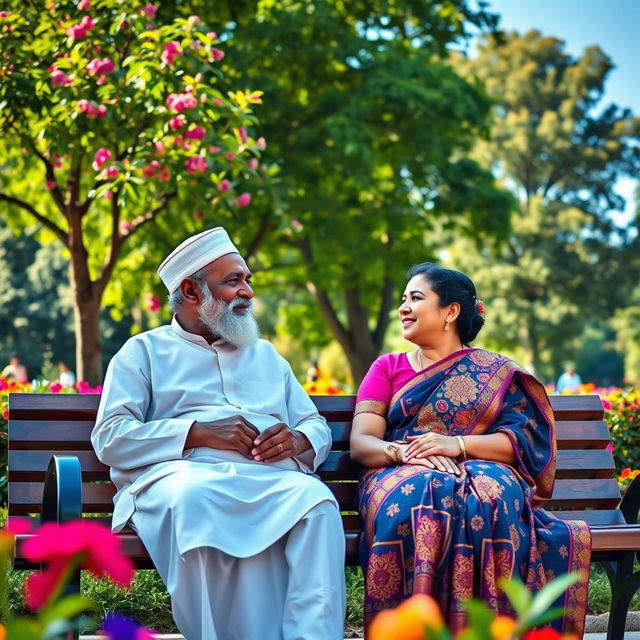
point(193, 254)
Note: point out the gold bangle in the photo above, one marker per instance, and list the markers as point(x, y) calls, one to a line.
point(392, 451)
point(463, 448)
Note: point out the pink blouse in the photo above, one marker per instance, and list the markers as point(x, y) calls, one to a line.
point(385, 376)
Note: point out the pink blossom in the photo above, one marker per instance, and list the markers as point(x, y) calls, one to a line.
point(214, 149)
point(102, 155)
point(253, 163)
point(150, 10)
point(90, 543)
point(181, 101)
point(91, 109)
point(4, 14)
point(79, 31)
point(164, 174)
point(217, 54)
point(87, 23)
point(296, 224)
point(51, 184)
point(125, 227)
point(171, 50)
point(59, 78)
point(100, 66)
point(108, 195)
point(196, 164)
point(230, 156)
point(213, 35)
point(152, 302)
point(242, 132)
point(176, 122)
point(606, 404)
point(198, 215)
point(57, 161)
point(224, 185)
point(217, 102)
point(112, 172)
point(159, 146)
point(83, 5)
point(55, 387)
point(261, 143)
point(243, 200)
point(610, 447)
point(194, 20)
point(149, 170)
point(195, 133)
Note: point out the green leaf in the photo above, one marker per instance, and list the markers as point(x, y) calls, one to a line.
point(22, 629)
point(547, 616)
point(68, 607)
point(519, 596)
point(551, 592)
point(480, 619)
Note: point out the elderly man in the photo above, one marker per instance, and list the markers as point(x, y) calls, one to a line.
point(212, 444)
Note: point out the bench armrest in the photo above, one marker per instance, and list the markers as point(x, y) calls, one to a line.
point(630, 503)
point(62, 494)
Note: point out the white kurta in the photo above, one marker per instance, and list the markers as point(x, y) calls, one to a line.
point(157, 385)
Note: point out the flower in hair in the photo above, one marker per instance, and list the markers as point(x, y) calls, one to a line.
point(480, 307)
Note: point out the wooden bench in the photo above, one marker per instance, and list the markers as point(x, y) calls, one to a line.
point(77, 484)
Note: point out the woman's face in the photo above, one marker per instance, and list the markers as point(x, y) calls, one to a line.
point(420, 313)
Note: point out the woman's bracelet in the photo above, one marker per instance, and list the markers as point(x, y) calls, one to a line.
point(463, 448)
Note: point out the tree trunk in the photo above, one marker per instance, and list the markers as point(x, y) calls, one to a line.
point(530, 340)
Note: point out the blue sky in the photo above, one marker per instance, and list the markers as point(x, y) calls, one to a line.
point(614, 25)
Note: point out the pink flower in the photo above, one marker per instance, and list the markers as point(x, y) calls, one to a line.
point(195, 133)
point(230, 156)
point(214, 149)
point(59, 78)
point(57, 161)
point(171, 50)
point(91, 109)
point(164, 174)
point(93, 544)
point(108, 195)
point(149, 170)
point(610, 447)
point(4, 14)
point(125, 227)
point(181, 101)
point(150, 10)
point(112, 172)
point(224, 185)
point(217, 102)
point(159, 146)
point(196, 164)
point(242, 134)
point(79, 31)
point(253, 163)
point(152, 302)
point(51, 184)
point(83, 5)
point(261, 143)
point(194, 20)
point(176, 122)
point(217, 54)
point(55, 387)
point(100, 66)
point(213, 35)
point(606, 404)
point(243, 200)
point(297, 225)
point(102, 155)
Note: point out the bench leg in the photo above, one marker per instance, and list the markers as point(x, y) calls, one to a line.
point(62, 502)
point(624, 585)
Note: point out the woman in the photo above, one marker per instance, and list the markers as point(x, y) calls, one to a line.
point(460, 453)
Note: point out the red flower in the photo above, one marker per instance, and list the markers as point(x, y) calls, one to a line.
point(543, 634)
point(96, 548)
point(626, 472)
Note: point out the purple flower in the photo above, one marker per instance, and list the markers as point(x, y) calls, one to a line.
point(120, 627)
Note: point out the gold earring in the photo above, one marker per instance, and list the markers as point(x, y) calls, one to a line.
point(446, 325)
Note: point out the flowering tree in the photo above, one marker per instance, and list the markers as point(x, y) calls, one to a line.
point(114, 114)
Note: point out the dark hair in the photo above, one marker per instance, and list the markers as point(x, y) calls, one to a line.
point(453, 286)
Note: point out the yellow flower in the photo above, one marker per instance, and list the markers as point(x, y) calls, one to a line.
point(503, 628)
point(408, 621)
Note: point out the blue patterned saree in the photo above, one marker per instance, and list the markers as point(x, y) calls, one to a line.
point(455, 537)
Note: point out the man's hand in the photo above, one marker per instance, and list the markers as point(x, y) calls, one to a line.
point(279, 442)
point(233, 434)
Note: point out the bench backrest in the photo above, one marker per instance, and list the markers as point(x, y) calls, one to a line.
point(44, 424)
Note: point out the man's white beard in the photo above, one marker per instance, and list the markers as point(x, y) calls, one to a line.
point(239, 329)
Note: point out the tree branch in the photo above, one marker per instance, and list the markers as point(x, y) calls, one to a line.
point(51, 177)
point(261, 233)
point(62, 236)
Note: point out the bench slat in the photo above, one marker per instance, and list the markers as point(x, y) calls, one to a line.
point(600, 493)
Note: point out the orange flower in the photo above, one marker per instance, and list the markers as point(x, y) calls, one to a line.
point(503, 628)
point(408, 621)
point(625, 472)
point(3, 632)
